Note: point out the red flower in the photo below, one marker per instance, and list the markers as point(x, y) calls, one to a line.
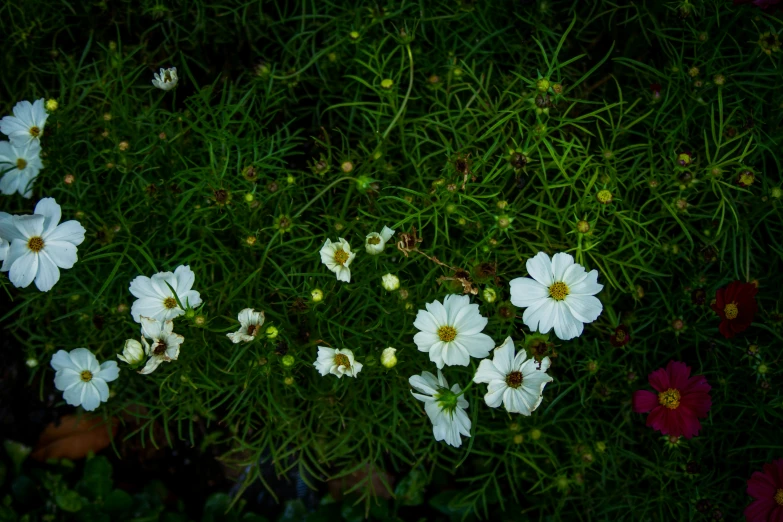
point(620, 337)
point(736, 306)
point(681, 400)
point(766, 488)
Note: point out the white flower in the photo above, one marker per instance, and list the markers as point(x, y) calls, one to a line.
point(375, 242)
point(39, 245)
point(155, 298)
point(388, 358)
point(4, 244)
point(21, 166)
point(337, 257)
point(560, 295)
point(166, 79)
point(512, 380)
point(390, 282)
point(82, 379)
point(132, 353)
point(27, 123)
point(250, 323)
point(445, 408)
point(451, 331)
point(337, 362)
point(163, 345)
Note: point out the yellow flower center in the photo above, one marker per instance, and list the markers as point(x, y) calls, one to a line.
point(35, 243)
point(86, 375)
point(447, 333)
point(35, 131)
point(779, 497)
point(170, 303)
point(731, 311)
point(670, 398)
point(374, 240)
point(620, 335)
point(340, 257)
point(342, 360)
point(514, 379)
point(21, 164)
point(558, 291)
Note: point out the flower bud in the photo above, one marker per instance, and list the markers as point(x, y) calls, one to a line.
point(288, 361)
point(272, 332)
point(51, 105)
point(317, 295)
point(32, 362)
point(390, 282)
point(387, 83)
point(133, 353)
point(604, 197)
point(375, 242)
point(489, 295)
point(388, 359)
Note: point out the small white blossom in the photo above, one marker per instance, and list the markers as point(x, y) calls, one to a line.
point(338, 257)
point(250, 323)
point(32, 362)
point(39, 245)
point(132, 353)
point(82, 379)
point(451, 332)
point(390, 282)
point(167, 79)
point(445, 407)
point(375, 242)
point(155, 298)
point(337, 362)
point(163, 346)
point(514, 381)
point(20, 166)
point(27, 124)
point(388, 358)
point(559, 294)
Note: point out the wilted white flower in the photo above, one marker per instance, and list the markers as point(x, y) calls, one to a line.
point(163, 346)
point(82, 379)
point(445, 407)
point(250, 323)
point(451, 331)
point(155, 298)
point(514, 381)
point(166, 79)
point(40, 245)
point(21, 166)
point(132, 353)
point(375, 242)
point(389, 358)
point(337, 362)
point(559, 294)
point(390, 282)
point(27, 123)
point(338, 257)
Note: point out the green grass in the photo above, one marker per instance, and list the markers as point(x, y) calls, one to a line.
point(282, 87)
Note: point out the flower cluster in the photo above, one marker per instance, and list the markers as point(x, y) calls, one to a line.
point(20, 160)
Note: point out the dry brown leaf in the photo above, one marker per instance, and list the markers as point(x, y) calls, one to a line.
point(73, 438)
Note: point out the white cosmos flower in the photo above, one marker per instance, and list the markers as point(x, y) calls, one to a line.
point(155, 298)
point(338, 257)
point(27, 123)
point(514, 381)
point(560, 295)
point(163, 345)
point(250, 323)
point(375, 242)
point(451, 331)
point(40, 245)
point(337, 362)
point(445, 407)
point(82, 379)
point(21, 166)
point(167, 79)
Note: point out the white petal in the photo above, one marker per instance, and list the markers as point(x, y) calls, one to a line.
point(387, 233)
point(426, 322)
point(566, 325)
point(185, 278)
point(425, 383)
point(73, 395)
point(148, 307)
point(91, 399)
point(526, 291)
point(454, 354)
point(503, 357)
point(66, 378)
point(62, 253)
point(29, 226)
point(488, 372)
point(151, 366)
point(478, 345)
point(8, 229)
point(50, 210)
point(84, 360)
point(586, 308)
point(438, 311)
point(540, 269)
point(102, 388)
point(70, 231)
point(24, 269)
point(560, 262)
point(192, 299)
point(425, 340)
point(588, 286)
point(455, 305)
point(494, 395)
point(540, 317)
point(151, 328)
point(48, 273)
point(109, 371)
point(61, 360)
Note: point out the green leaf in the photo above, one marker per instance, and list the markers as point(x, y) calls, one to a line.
point(17, 452)
point(96, 482)
point(410, 490)
point(68, 500)
point(117, 501)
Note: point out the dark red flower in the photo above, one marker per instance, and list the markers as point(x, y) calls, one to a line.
point(681, 400)
point(620, 337)
point(766, 488)
point(736, 306)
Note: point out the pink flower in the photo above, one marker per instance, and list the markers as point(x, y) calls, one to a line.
point(681, 400)
point(766, 488)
